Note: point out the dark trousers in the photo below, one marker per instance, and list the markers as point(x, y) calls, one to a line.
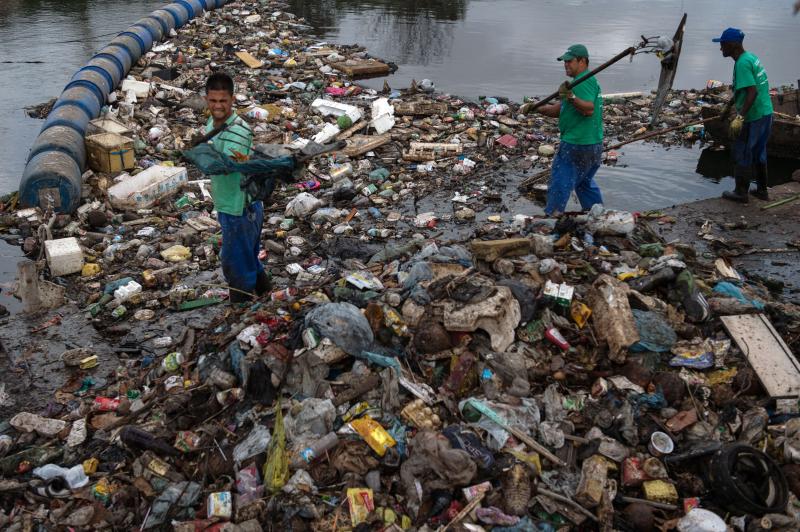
point(241, 239)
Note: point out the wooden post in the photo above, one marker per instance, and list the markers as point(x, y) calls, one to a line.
point(28, 288)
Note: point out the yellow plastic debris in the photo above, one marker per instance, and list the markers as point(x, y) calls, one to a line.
point(176, 253)
point(89, 269)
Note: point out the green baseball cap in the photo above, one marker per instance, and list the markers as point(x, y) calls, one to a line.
point(576, 50)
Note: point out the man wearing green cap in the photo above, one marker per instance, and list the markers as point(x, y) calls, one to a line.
point(751, 126)
point(580, 121)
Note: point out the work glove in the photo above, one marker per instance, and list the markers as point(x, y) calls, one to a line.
point(525, 108)
point(735, 126)
point(564, 91)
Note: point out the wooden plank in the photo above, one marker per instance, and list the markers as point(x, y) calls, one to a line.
point(430, 151)
point(420, 108)
point(771, 359)
point(362, 68)
point(361, 144)
point(669, 67)
point(249, 60)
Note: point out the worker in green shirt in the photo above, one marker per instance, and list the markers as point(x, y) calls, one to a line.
point(239, 217)
point(751, 126)
point(580, 121)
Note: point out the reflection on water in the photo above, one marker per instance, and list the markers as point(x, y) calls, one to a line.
point(508, 47)
point(417, 31)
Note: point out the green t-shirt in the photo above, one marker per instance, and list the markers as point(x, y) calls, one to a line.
point(579, 129)
point(748, 72)
point(225, 189)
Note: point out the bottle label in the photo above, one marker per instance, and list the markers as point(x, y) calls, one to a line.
point(307, 454)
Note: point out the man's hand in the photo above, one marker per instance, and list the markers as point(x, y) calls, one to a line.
point(239, 157)
point(735, 126)
point(525, 108)
point(564, 91)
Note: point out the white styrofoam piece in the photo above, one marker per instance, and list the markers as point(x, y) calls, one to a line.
point(64, 256)
point(382, 116)
point(337, 109)
point(140, 88)
point(327, 133)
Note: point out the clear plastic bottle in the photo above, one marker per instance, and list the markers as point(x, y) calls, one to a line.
point(315, 450)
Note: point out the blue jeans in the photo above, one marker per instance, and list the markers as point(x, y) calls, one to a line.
point(751, 146)
point(574, 167)
point(241, 239)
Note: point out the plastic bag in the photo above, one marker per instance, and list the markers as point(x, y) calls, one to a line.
point(655, 334)
point(247, 486)
point(344, 325)
point(302, 205)
point(276, 468)
point(610, 222)
point(255, 443)
point(74, 476)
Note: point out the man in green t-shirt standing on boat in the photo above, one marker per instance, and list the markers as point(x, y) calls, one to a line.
point(580, 122)
point(751, 126)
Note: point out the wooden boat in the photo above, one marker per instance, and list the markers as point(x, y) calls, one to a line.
point(669, 67)
point(785, 138)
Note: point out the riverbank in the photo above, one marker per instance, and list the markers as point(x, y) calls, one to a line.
point(432, 351)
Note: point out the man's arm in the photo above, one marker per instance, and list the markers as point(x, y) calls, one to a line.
point(584, 107)
point(749, 98)
point(552, 110)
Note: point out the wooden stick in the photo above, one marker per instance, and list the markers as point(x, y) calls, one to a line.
point(537, 177)
point(536, 446)
point(463, 513)
point(778, 203)
point(626, 52)
point(659, 505)
point(566, 500)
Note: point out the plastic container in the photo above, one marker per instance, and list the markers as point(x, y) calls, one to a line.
point(110, 153)
point(660, 444)
point(147, 187)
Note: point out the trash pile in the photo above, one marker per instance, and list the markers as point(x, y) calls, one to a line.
point(542, 374)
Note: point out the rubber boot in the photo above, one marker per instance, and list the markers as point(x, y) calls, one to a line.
point(263, 284)
point(739, 193)
point(236, 296)
point(761, 183)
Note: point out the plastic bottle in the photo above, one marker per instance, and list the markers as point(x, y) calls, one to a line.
point(341, 171)
point(315, 450)
point(556, 338)
point(137, 438)
point(172, 362)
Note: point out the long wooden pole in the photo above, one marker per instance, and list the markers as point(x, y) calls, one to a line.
point(626, 52)
point(527, 183)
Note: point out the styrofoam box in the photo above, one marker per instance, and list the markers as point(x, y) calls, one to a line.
point(140, 88)
point(330, 107)
point(147, 187)
point(64, 256)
